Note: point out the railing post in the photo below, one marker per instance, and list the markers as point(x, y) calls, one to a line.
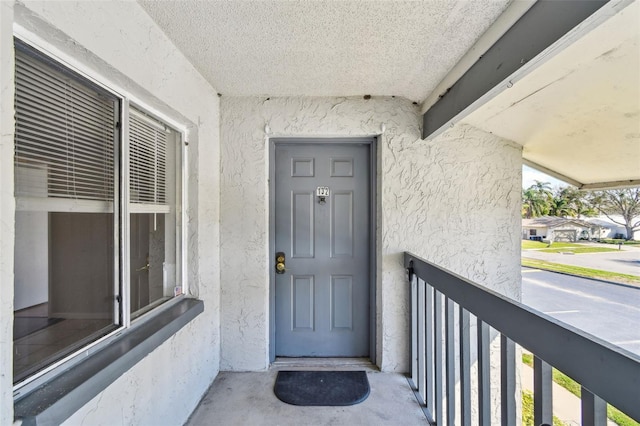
point(484, 372)
point(542, 392)
point(437, 331)
point(450, 359)
point(508, 380)
point(594, 409)
point(465, 368)
point(414, 331)
point(429, 350)
point(422, 379)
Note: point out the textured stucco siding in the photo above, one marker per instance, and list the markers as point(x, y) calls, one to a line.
point(454, 200)
point(117, 43)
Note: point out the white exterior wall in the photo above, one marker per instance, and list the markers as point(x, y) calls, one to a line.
point(120, 44)
point(540, 232)
point(454, 201)
point(616, 228)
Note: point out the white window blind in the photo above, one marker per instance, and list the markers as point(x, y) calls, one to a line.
point(147, 159)
point(65, 132)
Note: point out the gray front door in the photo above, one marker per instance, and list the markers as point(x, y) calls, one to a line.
point(322, 298)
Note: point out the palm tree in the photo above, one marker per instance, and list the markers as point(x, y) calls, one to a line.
point(543, 188)
point(533, 204)
point(560, 207)
point(536, 200)
point(576, 201)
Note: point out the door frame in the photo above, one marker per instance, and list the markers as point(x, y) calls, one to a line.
point(372, 143)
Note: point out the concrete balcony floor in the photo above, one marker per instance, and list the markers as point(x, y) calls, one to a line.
point(247, 399)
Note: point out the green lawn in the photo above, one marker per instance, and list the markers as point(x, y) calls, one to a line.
point(577, 249)
point(624, 242)
point(564, 247)
point(527, 411)
point(528, 244)
point(569, 384)
point(582, 272)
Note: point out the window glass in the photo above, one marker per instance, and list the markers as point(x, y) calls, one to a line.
point(65, 148)
point(72, 282)
point(155, 192)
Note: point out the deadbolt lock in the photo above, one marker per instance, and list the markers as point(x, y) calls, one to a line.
point(280, 265)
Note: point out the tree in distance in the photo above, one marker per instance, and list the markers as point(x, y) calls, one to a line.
point(619, 203)
point(621, 206)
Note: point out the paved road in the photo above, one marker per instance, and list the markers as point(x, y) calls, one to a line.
point(625, 261)
point(609, 311)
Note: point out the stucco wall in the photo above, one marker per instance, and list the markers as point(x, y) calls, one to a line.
point(454, 200)
point(119, 44)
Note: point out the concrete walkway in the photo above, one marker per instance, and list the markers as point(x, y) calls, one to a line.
point(566, 406)
point(625, 261)
point(248, 399)
point(237, 398)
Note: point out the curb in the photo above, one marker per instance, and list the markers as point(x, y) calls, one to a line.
point(582, 276)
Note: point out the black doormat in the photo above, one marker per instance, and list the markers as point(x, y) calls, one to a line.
point(322, 388)
point(24, 326)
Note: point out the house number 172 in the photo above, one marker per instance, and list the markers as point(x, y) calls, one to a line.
point(322, 191)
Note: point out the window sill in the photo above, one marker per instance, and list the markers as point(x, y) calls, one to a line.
point(63, 395)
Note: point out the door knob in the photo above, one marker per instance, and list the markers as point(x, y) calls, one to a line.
point(280, 263)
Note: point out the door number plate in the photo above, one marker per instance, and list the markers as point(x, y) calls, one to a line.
point(322, 191)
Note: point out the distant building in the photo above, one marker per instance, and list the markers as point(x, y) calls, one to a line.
point(552, 228)
point(611, 229)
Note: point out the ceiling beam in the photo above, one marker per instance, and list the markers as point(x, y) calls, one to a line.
point(510, 16)
point(595, 186)
point(619, 184)
point(546, 22)
point(552, 173)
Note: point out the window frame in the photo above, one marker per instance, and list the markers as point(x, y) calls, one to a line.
point(121, 211)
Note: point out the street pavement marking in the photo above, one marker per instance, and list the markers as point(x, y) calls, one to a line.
point(530, 270)
point(561, 312)
point(580, 293)
point(627, 342)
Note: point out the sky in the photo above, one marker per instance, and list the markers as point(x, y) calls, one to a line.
point(529, 176)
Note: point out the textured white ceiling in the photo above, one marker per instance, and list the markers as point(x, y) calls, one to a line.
point(578, 114)
point(324, 48)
